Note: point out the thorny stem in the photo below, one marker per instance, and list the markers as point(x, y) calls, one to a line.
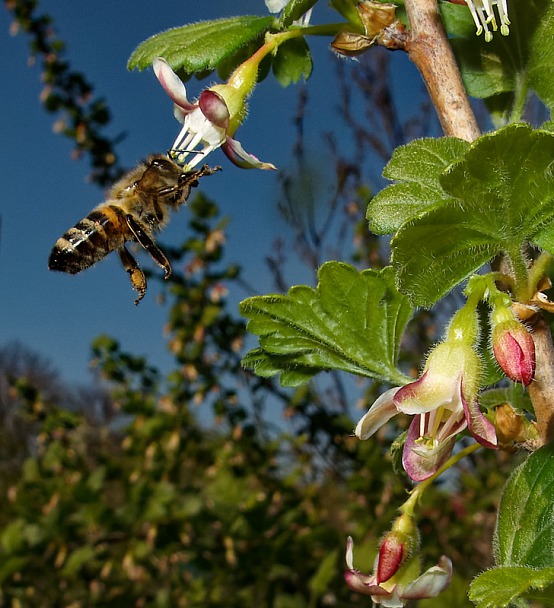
point(429, 49)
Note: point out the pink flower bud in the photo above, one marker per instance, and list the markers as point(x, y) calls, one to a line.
point(514, 350)
point(392, 554)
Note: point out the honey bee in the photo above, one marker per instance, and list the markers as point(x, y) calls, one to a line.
point(137, 206)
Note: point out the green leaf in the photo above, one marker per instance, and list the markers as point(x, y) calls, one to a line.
point(435, 253)
point(417, 167)
point(292, 62)
point(294, 11)
point(507, 62)
point(515, 394)
point(457, 20)
point(352, 322)
point(496, 198)
point(524, 534)
point(200, 47)
point(78, 559)
point(540, 74)
point(499, 587)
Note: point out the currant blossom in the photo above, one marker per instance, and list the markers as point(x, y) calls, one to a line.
point(483, 14)
point(405, 585)
point(444, 403)
point(210, 122)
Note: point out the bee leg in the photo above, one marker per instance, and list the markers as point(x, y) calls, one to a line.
point(138, 280)
point(145, 241)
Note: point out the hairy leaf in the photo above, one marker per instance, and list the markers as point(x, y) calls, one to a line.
point(540, 74)
point(417, 167)
point(200, 47)
point(524, 534)
point(496, 198)
point(352, 322)
point(500, 587)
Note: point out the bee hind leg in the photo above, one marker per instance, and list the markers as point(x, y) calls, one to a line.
point(145, 241)
point(138, 280)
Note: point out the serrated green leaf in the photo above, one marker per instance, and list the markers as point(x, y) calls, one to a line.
point(292, 62)
point(417, 166)
point(501, 195)
point(489, 68)
point(436, 252)
point(200, 47)
point(524, 534)
point(352, 322)
point(294, 11)
point(499, 587)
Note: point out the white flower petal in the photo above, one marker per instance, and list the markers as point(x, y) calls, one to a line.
point(382, 410)
point(240, 157)
point(172, 84)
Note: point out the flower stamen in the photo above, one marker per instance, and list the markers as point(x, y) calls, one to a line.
point(483, 16)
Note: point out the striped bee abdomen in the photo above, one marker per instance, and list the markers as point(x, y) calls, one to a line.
point(137, 206)
point(102, 231)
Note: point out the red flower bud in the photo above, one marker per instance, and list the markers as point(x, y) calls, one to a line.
point(514, 350)
point(391, 556)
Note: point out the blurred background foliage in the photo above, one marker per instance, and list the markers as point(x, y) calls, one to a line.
point(209, 487)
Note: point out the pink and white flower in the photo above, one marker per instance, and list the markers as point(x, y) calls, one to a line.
point(211, 121)
point(406, 584)
point(444, 403)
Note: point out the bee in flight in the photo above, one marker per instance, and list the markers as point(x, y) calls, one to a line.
point(137, 206)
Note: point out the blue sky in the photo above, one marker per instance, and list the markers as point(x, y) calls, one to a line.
point(44, 192)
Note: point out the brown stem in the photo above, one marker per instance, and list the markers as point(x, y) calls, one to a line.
point(431, 52)
point(541, 390)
